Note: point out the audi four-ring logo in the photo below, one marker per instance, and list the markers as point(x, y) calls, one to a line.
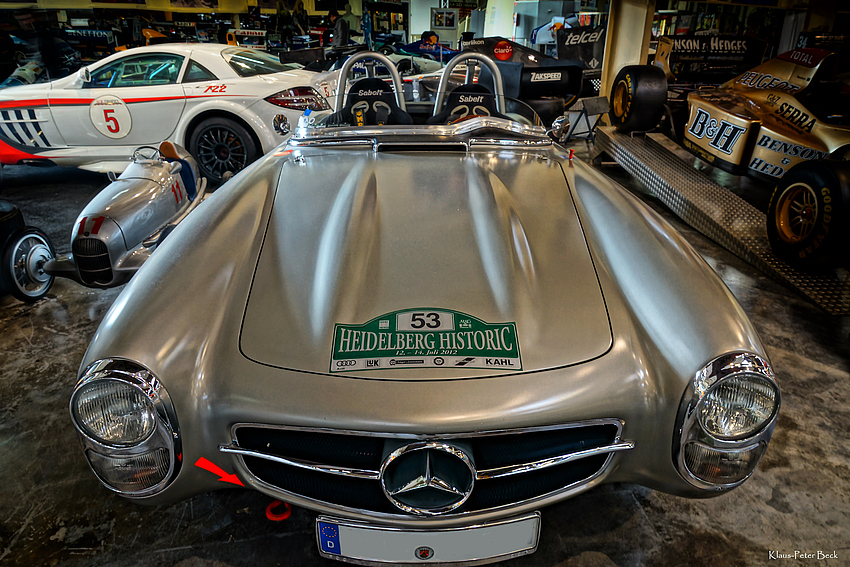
point(341, 363)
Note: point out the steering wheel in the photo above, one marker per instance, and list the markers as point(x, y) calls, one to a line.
point(498, 86)
point(152, 154)
point(381, 58)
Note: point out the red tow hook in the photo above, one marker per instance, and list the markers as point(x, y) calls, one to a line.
point(278, 517)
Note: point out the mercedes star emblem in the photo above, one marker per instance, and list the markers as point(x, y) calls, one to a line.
point(427, 477)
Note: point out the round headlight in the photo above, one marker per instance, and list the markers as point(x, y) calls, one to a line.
point(738, 406)
point(114, 412)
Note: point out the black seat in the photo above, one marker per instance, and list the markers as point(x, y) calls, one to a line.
point(370, 102)
point(170, 153)
point(466, 101)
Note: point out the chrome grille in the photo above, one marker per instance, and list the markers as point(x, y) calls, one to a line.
point(92, 260)
point(342, 469)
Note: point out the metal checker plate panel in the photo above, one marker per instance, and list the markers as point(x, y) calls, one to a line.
point(718, 213)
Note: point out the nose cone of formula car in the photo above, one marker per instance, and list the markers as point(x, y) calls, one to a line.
point(424, 266)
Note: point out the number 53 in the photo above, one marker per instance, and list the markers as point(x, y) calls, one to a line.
point(418, 320)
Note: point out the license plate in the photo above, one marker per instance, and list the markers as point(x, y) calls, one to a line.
point(503, 539)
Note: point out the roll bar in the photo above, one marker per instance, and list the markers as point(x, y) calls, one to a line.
point(380, 57)
point(497, 79)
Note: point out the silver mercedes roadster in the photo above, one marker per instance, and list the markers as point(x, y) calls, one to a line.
point(425, 331)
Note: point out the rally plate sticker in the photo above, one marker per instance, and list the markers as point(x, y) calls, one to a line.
point(425, 338)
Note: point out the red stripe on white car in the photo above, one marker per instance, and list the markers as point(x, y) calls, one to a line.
point(11, 156)
point(13, 104)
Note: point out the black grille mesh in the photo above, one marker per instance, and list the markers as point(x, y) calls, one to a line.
point(92, 260)
point(339, 490)
point(367, 452)
point(516, 488)
point(356, 451)
point(503, 450)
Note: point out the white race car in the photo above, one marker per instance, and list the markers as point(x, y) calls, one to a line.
point(228, 105)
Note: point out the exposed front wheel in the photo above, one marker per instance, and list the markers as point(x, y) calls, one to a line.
point(637, 98)
point(220, 145)
point(24, 258)
point(806, 219)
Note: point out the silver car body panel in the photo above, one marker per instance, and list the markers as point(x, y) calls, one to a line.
point(232, 311)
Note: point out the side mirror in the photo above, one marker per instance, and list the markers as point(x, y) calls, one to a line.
point(84, 75)
point(559, 127)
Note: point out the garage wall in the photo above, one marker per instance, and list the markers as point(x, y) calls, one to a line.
point(420, 17)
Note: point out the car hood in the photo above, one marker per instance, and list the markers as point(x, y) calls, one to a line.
point(418, 262)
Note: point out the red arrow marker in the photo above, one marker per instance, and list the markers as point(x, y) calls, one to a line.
point(213, 468)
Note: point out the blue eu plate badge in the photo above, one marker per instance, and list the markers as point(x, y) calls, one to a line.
point(329, 538)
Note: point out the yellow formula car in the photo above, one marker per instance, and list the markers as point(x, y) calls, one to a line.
point(786, 121)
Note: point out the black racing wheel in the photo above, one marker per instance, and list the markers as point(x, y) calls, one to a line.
point(408, 66)
point(219, 145)
point(26, 252)
point(807, 217)
point(637, 98)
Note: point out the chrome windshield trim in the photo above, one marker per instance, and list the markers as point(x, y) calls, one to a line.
point(509, 142)
point(321, 135)
point(552, 461)
point(332, 142)
point(341, 471)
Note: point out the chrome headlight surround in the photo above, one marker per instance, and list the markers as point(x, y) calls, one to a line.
point(695, 445)
point(161, 449)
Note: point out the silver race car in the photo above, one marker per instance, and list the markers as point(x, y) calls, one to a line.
point(119, 229)
point(425, 332)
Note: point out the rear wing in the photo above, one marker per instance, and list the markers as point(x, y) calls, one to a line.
point(526, 73)
point(303, 56)
point(523, 83)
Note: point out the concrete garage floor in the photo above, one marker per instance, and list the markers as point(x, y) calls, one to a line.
point(54, 511)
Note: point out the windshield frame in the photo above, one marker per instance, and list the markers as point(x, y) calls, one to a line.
point(497, 131)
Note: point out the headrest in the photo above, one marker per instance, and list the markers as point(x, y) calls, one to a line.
point(167, 150)
point(369, 89)
point(370, 102)
point(467, 100)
